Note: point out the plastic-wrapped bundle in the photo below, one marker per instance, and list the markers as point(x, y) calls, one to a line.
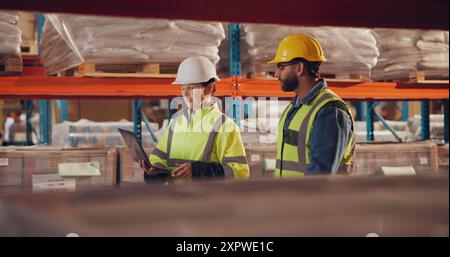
point(84, 133)
point(385, 136)
point(403, 52)
point(436, 126)
point(382, 134)
point(109, 40)
point(10, 34)
point(10, 17)
point(348, 50)
point(56, 54)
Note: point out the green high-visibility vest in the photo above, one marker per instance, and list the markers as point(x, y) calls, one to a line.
point(293, 152)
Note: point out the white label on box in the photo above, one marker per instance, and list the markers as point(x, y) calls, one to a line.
point(255, 158)
point(396, 171)
point(79, 169)
point(423, 161)
point(4, 161)
point(270, 164)
point(52, 182)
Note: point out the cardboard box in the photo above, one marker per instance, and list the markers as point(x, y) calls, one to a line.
point(257, 156)
point(370, 157)
point(130, 172)
point(443, 159)
point(94, 110)
point(20, 164)
point(11, 167)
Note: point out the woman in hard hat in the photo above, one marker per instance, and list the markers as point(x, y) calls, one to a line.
point(315, 133)
point(200, 142)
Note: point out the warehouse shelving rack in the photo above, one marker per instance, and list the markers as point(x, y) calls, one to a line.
point(94, 88)
point(383, 13)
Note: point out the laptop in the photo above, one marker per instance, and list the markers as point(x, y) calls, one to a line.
point(136, 148)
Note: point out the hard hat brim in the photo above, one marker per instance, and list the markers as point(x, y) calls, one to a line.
point(274, 61)
point(311, 59)
point(190, 82)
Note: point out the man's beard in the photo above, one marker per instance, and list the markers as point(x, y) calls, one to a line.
point(289, 85)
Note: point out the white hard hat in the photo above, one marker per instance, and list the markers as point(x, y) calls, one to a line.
point(196, 69)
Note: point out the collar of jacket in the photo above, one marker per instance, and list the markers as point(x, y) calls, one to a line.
point(213, 106)
point(322, 84)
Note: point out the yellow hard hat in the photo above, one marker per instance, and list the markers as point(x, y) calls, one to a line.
point(299, 46)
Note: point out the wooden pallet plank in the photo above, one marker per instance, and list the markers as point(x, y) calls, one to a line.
point(11, 65)
point(342, 77)
point(348, 76)
point(29, 48)
point(134, 70)
point(426, 77)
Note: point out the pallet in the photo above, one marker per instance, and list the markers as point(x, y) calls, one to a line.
point(29, 48)
point(343, 77)
point(11, 105)
point(11, 65)
point(428, 77)
point(134, 70)
point(417, 77)
point(347, 77)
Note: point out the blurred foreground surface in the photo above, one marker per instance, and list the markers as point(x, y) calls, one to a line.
point(309, 206)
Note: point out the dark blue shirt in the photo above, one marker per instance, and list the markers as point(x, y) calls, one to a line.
point(331, 132)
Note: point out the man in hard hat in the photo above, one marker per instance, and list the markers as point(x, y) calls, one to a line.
point(200, 142)
point(315, 133)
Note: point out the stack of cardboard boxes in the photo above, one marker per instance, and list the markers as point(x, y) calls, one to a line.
point(47, 168)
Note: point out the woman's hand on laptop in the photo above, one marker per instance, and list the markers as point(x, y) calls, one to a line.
point(150, 171)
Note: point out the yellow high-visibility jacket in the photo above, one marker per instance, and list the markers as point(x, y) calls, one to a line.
point(207, 136)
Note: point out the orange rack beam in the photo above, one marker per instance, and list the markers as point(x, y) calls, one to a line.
point(45, 87)
point(355, 90)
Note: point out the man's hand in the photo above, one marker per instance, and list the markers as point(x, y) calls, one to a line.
point(150, 171)
point(183, 171)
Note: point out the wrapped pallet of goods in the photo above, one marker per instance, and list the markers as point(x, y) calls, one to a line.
point(411, 54)
point(10, 34)
point(27, 25)
point(371, 157)
point(382, 134)
point(50, 168)
point(71, 40)
point(10, 40)
point(350, 52)
point(85, 133)
point(436, 127)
